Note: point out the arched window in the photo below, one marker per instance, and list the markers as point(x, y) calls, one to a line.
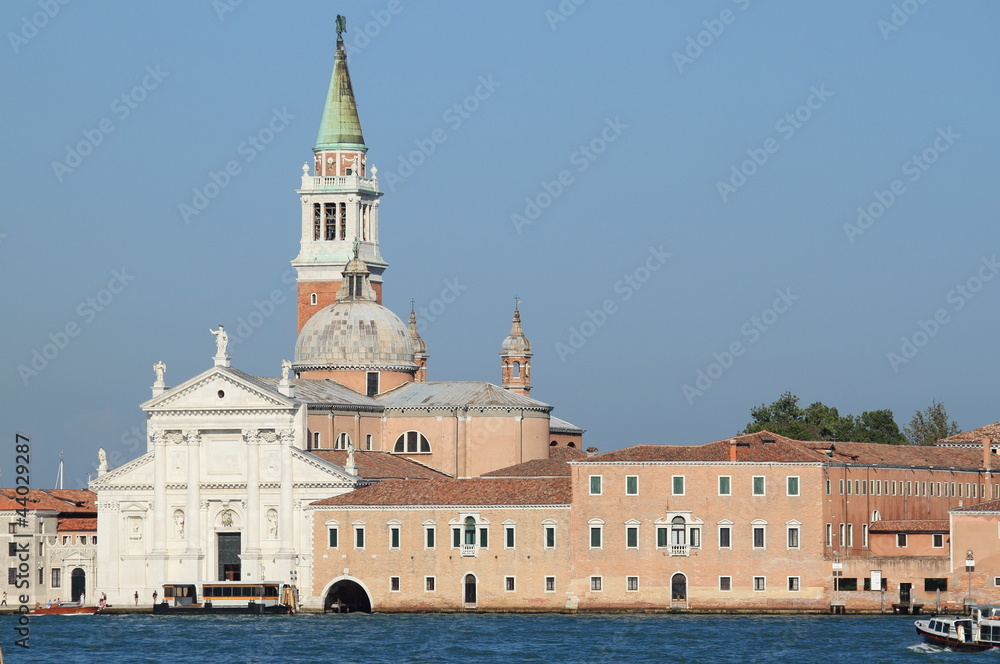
point(677, 535)
point(470, 530)
point(412, 442)
point(342, 440)
point(517, 370)
point(553, 444)
point(570, 444)
point(876, 516)
point(313, 299)
point(368, 442)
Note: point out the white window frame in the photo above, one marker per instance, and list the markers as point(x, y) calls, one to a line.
point(510, 584)
point(630, 526)
point(730, 588)
point(398, 528)
point(673, 485)
point(753, 485)
point(798, 485)
point(798, 584)
point(718, 485)
point(829, 534)
point(600, 485)
point(763, 584)
point(762, 525)
point(545, 584)
point(598, 525)
point(727, 525)
point(797, 527)
point(629, 583)
point(547, 526)
point(394, 581)
point(596, 584)
point(335, 527)
point(935, 537)
point(509, 535)
point(432, 582)
point(359, 527)
point(636, 480)
point(430, 527)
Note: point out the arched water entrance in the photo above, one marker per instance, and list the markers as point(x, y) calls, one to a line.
point(469, 591)
point(78, 584)
point(678, 588)
point(347, 596)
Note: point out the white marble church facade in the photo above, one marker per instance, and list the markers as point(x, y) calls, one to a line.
point(218, 494)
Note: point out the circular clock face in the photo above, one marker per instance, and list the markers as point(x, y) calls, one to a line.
point(329, 160)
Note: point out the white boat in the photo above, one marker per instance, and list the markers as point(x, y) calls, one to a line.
point(980, 630)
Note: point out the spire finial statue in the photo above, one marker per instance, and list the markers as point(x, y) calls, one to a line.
point(341, 27)
point(357, 247)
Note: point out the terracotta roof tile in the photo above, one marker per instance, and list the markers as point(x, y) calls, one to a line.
point(749, 448)
point(534, 468)
point(56, 500)
point(988, 506)
point(975, 435)
point(901, 455)
point(910, 526)
point(381, 465)
point(566, 453)
point(476, 491)
point(76, 525)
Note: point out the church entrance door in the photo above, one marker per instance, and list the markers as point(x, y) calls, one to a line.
point(229, 557)
point(78, 584)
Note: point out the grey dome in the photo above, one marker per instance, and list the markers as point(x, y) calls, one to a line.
point(355, 334)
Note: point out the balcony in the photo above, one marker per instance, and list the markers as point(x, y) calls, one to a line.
point(680, 550)
point(339, 183)
point(469, 550)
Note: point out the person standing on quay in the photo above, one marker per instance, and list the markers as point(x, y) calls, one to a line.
point(137, 598)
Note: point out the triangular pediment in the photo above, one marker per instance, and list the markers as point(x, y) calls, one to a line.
point(219, 388)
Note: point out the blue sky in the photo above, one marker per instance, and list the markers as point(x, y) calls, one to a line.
point(672, 189)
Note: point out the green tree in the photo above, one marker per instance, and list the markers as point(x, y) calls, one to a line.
point(930, 425)
point(821, 422)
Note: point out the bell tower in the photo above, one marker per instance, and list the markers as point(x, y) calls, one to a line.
point(340, 199)
point(515, 358)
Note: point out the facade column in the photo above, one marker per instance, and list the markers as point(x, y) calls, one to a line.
point(251, 567)
point(159, 492)
point(286, 498)
point(195, 538)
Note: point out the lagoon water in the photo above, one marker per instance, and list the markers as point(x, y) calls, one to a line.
point(464, 638)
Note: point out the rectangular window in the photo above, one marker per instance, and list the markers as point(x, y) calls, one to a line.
point(793, 584)
point(41, 576)
point(725, 537)
point(332, 535)
point(430, 534)
point(632, 537)
point(760, 583)
point(725, 583)
point(662, 537)
point(429, 583)
point(695, 538)
point(884, 582)
point(842, 487)
point(508, 537)
point(850, 584)
point(829, 534)
point(857, 489)
point(901, 540)
point(359, 537)
point(372, 383)
point(937, 540)
point(595, 537)
point(394, 584)
point(508, 584)
point(758, 537)
point(56, 577)
point(850, 492)
point(550, 537)
point(678, 485)
point(394, 537)
point(595, 583)
point(725, 485)
point(932, 585)
point(843, 538)
point(11, 576)
point(632, 485)
point(758, 485)
point(632, 583)
point(864, 535)
point(595, 485)
point(484, 538)
point(550, 584)
point(850, 534)
point(456, 538)
point(792, 485)
point(793, 537)
point(828, 486)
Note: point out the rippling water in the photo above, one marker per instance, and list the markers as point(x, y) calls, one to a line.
point(463, 638)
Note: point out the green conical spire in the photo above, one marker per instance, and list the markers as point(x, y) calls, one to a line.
point(340, 126)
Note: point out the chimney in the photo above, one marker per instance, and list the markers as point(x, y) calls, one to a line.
point(987, 452)
point(732, 449)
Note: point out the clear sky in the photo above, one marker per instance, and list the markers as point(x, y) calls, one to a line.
point(671, 188)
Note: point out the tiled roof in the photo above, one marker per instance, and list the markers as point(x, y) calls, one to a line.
point(323, 391)
point(557, 425)
point(534, 468)
point(749, 448)
point(975, 435)
point(76, 525)
point(901, 455)
point(988, 506)
point(566, 453)
point(910, 526)
point(381, 465)
point(457, 393)
point(480, 491)
point(56, 500)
